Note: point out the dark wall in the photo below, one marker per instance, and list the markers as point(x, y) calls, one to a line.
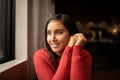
point(106, 75)
point(86, 10)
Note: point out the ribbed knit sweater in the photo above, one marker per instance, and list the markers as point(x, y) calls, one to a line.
point(74, 64)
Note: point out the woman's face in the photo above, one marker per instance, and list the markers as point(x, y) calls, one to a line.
point(57, 36)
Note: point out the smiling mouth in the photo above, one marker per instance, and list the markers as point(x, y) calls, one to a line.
point(55, 45)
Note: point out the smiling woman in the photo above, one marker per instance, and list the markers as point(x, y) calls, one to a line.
point(64, 57)
point(7, 29)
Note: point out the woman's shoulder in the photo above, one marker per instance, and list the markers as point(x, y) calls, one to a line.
point(43, 52)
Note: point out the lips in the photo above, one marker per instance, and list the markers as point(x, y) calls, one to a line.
point(54, 45)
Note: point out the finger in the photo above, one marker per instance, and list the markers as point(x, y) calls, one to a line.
point(82, 36)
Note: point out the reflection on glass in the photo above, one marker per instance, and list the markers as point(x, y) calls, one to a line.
point(1, 30)
point(1, 43)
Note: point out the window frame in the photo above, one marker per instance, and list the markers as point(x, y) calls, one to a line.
point(8, 38)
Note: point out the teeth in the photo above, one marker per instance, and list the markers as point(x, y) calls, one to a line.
point(54, 45)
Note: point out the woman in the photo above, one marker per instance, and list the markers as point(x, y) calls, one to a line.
point(64, 58)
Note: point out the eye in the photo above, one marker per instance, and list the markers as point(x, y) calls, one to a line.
point(59, 32)
point(48, 33)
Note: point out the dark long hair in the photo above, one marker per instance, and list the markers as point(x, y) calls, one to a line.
point(70, 26)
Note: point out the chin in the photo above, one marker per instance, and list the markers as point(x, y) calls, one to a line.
point(57, 52)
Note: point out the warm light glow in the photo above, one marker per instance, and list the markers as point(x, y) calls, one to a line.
point(114, 31)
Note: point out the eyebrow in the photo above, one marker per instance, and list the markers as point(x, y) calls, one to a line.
point(56, 29)
point(59, 29)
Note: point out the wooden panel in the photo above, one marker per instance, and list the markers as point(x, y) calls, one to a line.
point(17, 72)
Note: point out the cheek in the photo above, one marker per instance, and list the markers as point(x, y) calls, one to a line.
point(65, 40)
point(48, 40)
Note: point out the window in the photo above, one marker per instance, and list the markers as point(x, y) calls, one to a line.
point(7, 30)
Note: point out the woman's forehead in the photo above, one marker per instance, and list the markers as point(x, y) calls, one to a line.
point(55, 24)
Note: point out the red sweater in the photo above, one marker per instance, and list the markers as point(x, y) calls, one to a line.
point(75, 64)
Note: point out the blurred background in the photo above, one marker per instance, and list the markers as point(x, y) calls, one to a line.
point(98, 20)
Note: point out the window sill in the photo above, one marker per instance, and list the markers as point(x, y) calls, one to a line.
point(10, 64)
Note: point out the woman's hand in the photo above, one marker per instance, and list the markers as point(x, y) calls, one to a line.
point(72, 41)
point(77, 39)
point(80, 39)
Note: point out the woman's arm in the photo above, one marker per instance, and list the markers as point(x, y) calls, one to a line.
point(81, 60)
point(63, 71)
point(77, 65)
point(81, 64)
point(88, 64)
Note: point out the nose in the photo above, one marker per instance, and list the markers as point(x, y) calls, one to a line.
point(53, 37)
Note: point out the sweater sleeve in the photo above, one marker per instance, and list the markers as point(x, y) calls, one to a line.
point(63, 71)
point(44, 70)
point(80, 65)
